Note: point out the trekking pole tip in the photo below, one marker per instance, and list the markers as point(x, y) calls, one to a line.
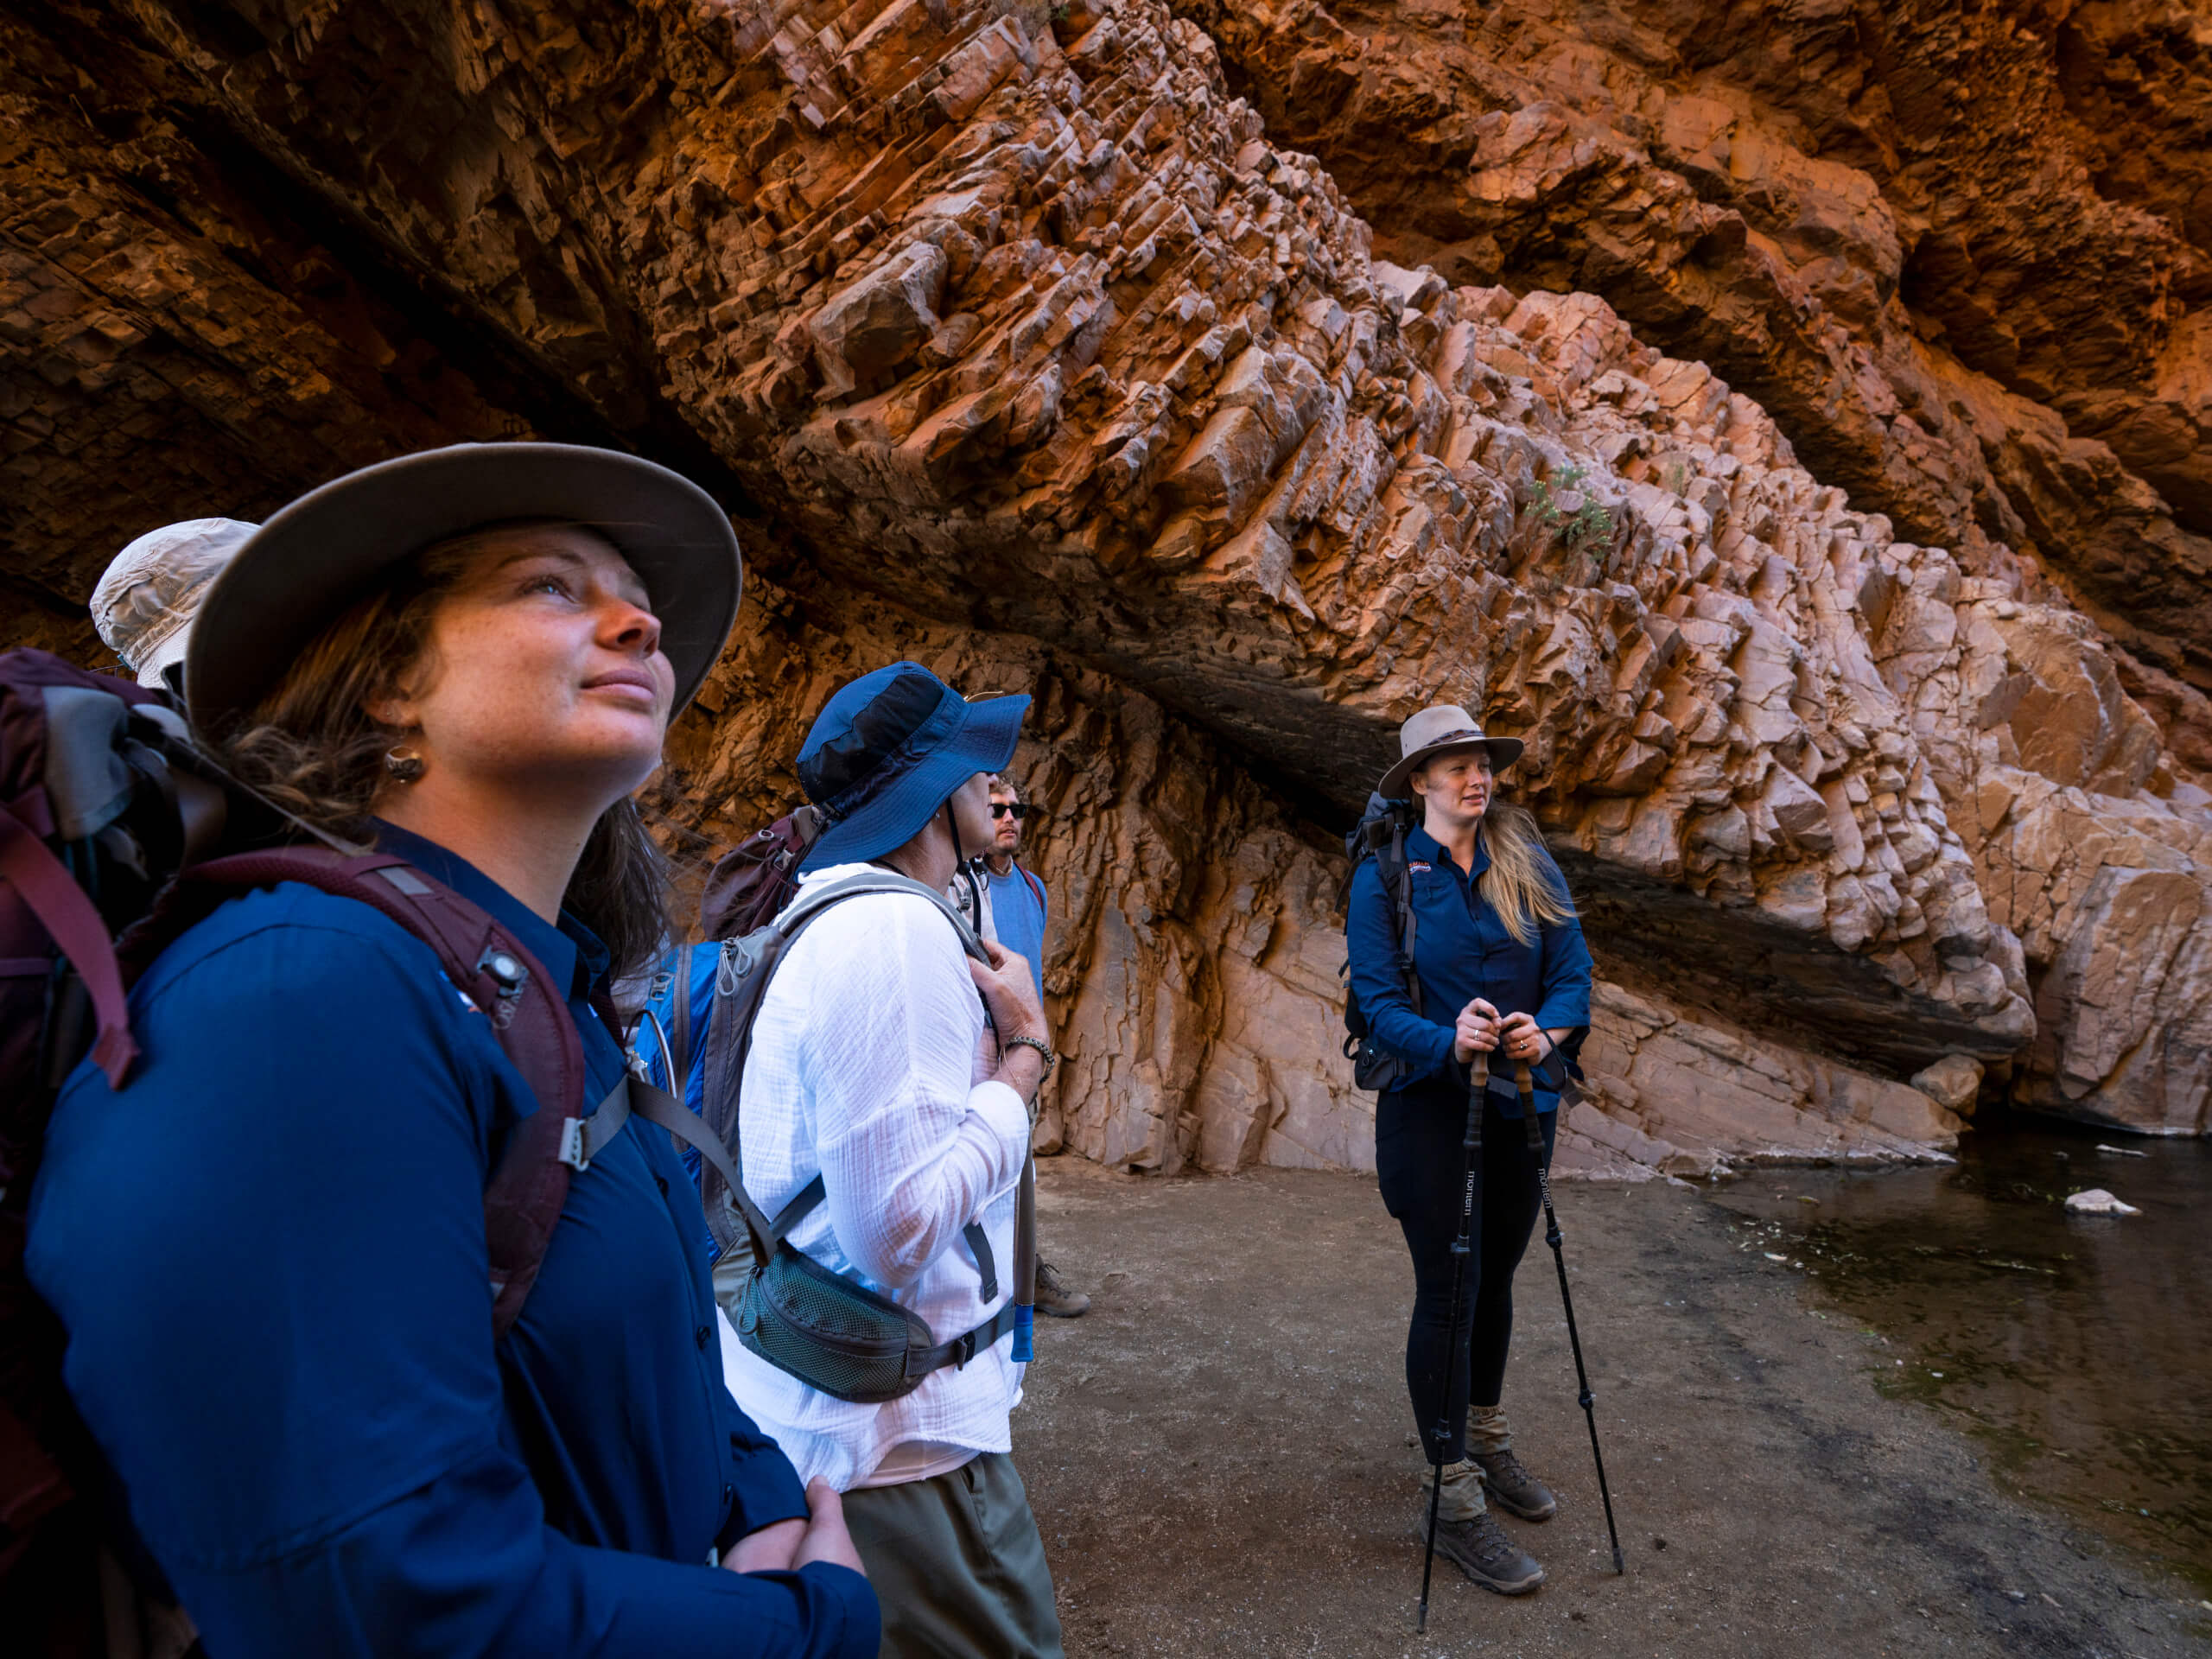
point(1619, 1566)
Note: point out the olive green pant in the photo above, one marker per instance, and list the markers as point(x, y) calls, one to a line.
point(958, 1564)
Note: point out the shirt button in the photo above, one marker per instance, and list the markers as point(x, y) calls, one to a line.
point(701, 1334)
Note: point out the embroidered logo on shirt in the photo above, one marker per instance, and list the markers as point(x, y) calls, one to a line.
point(1416, 867)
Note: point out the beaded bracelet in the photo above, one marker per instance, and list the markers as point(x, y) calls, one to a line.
point(1043, 1048)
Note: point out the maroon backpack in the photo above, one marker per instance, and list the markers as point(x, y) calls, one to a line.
point(107, 819)
point(755, 879)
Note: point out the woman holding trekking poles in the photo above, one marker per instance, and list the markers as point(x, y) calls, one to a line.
point(1498, 972)
point(335, 1424)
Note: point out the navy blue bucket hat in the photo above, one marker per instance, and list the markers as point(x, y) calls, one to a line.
point(888, 750)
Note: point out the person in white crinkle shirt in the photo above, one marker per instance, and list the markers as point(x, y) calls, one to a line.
point(888, 1061)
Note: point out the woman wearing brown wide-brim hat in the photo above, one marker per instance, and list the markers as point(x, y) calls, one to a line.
point(269, 1246)
point(1499, 967)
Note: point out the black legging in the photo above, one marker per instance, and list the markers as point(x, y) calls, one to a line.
point(1418, 1159)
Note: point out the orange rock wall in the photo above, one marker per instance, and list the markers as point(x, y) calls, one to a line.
point(1018, 344)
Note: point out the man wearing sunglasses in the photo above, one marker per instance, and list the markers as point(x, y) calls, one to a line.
point(1013, 914)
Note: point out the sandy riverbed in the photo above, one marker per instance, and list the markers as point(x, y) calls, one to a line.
point(1220, 1453)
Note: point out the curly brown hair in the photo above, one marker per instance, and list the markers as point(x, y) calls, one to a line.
point(311, 748)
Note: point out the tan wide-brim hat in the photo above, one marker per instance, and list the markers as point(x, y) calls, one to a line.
point(299, 573)
point(1439, 730)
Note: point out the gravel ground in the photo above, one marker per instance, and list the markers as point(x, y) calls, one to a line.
point(1222, 1457)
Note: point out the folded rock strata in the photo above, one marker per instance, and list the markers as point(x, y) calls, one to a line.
point(1963, 257)
point(1033, 357)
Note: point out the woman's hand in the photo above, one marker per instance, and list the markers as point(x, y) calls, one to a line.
point(769, 1550)
point(826, 1539)
point(1526, 1042)
point(789, 1545)
point(1475, 1032)
point(1009, 992)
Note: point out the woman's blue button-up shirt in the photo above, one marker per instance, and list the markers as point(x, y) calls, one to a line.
point(1461, 951)
point(268, 1251)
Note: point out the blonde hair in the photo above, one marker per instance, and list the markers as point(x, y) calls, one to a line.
point(1522, 884)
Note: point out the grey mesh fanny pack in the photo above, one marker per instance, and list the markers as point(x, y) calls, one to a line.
point(822, 1328)
point(842, 1338)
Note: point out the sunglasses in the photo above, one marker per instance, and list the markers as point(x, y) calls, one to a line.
point(999, 808)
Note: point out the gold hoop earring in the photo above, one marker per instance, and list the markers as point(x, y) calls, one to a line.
point(405, 764)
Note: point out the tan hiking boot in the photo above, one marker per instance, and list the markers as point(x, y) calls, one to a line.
point(1489, 1444)
point(1478, 1546)
point(1517, 1492)
point(1053, 1296)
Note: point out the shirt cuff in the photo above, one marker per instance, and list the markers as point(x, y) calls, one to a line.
point(1564, 1014)
point(863, 1631)
point(1000, 1105)
point(764, 1490)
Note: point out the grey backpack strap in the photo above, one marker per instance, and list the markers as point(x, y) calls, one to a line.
point(979, 1241)
point(679, 1059)
point(729, 1041)
point(802, 1203)
point(584, 1138)
point(658, 1106)
point(808, 905)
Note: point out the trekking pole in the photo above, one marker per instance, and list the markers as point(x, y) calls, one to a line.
point(1527, 1084)
point(1462, 1246)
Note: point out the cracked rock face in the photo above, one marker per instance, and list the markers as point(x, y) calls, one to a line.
point(1963, 257)
point(1033, 354)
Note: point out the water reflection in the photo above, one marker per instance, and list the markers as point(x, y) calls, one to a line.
point(2078, 1348)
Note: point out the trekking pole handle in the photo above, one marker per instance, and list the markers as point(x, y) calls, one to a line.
point(1478, 1082)
point(1525, 1081)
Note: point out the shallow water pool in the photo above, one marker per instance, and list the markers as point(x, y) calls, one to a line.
point(2079, 1348)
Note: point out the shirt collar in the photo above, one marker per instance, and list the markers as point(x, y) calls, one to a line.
point(572, 953)
point(1419, 845)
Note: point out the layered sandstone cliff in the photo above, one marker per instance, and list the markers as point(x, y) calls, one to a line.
point(1024, 348)
point(1963, 256)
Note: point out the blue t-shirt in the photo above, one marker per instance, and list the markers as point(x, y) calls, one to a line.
point(1018, 917)
point(268, 1251)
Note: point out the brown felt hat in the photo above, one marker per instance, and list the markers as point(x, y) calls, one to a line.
point(298, 574)
point(1439, 730)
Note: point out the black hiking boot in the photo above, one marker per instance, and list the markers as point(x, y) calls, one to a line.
point(1054, 1297)
point(1516, 1491)
point(1479, 1548)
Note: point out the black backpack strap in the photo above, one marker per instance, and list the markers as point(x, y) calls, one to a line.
point(1397, 882)
point(965, 1346)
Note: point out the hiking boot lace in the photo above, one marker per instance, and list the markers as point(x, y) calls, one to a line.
point(1504, 1469)
point(1492, 1548)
